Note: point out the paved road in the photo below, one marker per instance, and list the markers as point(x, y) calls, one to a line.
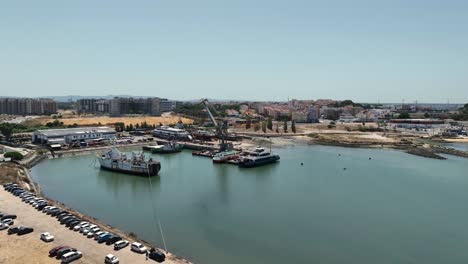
point(30, 249)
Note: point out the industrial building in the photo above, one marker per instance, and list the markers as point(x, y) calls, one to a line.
point(71, 135)
point(27, 106)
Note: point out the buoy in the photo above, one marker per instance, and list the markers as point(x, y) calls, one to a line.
point(339, 154)
point(344, 168)
point(370, 158)
point(302, 163)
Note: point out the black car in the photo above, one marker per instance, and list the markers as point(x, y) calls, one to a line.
point(13, 230)
point(156, 255)
point(111, 240)
point(18, 192)
point(62, 214)
point(69, 220)
point(55, 212)
point(41, 206)
point(8, 217)
point(64, 251)
point(72, 224)
point(24, 230)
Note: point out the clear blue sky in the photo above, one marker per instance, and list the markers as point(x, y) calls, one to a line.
point(365, 50)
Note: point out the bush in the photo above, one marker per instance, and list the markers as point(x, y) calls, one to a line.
point(14, 155)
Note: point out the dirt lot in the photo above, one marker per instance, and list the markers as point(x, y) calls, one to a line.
point(30, 249)
point(106, 120)
point(10, 172)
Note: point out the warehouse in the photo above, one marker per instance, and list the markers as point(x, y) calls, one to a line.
point(70, 135)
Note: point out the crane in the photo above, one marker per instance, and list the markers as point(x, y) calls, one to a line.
point(221, 127)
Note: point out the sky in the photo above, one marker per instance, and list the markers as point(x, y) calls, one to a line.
point(363, 50)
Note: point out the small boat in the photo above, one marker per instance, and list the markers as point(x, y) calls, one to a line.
point(114, 160)
point(169, 147)
point(258, 157)
point(225, 156)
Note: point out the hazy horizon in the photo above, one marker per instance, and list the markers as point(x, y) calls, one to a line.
point(365, 51)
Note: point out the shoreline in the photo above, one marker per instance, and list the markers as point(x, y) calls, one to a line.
point(34, 187)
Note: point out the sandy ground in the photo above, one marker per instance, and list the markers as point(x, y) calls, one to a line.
point(457, 140)
point(106, 120)
point(30, 249)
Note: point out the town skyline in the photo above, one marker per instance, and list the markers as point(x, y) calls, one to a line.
point(367, 51)
point(67, 98)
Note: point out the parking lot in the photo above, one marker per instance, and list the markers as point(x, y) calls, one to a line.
point(30, 249)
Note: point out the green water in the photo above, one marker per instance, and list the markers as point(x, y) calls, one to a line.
point(394, 208)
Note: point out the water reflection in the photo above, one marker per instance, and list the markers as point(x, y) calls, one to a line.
point(117, 183)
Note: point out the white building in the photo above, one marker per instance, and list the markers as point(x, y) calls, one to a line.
point(69, 135)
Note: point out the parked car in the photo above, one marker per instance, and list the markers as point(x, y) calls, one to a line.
point(53, 252)
point(111, 259)
point(98, 234)
point(41, 206)
point(69, 220)
point(64, 251)
point(120, 244)
point(90, 235)
point(8, 221)
point(71, 256)
point(25, 230)
point(13, 230)
point(138, 247)
point(47, 237)
point(104, 238)
point(3, 226)
point(73, 223)
point(113, 239)
point(157, 255)
point(8, 216)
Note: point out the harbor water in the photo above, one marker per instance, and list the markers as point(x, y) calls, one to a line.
point(342, 205)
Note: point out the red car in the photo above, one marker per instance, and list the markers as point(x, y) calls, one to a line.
point(53, 252)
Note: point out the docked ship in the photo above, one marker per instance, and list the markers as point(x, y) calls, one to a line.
point(114, 160)
point(225, 156)
point(257, 157)
point(169, 147)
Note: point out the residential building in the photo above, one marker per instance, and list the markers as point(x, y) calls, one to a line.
point(151, 106)
point(27, 106)
point(313, 115)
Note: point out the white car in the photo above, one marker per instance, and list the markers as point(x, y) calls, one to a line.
point(138, 247)
point(98, 234)
point(120, 244)
point(90, 234)
point(111, 259)
point(3, 226)
point(47, 237)
point(8, 221)
point(71, 256)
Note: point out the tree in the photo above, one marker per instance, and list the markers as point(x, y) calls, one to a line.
point(264, 127)
point(293, 126)
point(137, 126)
point(427, 115)
point(14, 155)
point(277, 128)
point(404, 115)
point(270, 123)
point(285, 126)
point(6, 130)
point(119, 126)
point(257, 127)
point(248, 124)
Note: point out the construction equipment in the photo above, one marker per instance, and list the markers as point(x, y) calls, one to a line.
point(221, 127)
